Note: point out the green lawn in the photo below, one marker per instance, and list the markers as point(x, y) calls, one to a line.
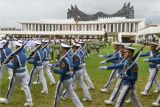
point(98, 77)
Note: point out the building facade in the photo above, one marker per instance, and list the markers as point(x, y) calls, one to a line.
point(116, 27)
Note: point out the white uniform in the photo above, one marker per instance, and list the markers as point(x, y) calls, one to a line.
point(47, 70)
point(131, 93)
point(22, 78)
point(39, 70)
point(3, 68)
point(67, 86)
point(87, 78)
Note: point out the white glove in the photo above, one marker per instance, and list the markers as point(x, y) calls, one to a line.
point(145, 60)
point(50, 65)
point(101, 56)
point(117, 75)
point(84, 64)
point(158, 66)
point(103, 67)
point(102, 62)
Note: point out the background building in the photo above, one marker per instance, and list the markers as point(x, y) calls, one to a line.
point(120, 26)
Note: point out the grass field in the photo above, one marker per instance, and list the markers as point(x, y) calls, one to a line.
point(98, 77)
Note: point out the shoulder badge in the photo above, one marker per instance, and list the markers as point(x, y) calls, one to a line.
point(63, 64)
point(135, 69)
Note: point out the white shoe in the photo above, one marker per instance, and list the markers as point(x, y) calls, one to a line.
point(144, 93)
point(155, 104)
point(22, 89)
point(156, 91)
point(9, 78)
point(104, 90)
point(28, 104)
point(36, 83)
point(109, 102)
point(3, 101)
point(52, 83)
point(44, 92)
point(90, 88)
point(87, 99)
point(128, 101)
point(63, 98)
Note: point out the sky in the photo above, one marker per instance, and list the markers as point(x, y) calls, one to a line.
point(14, 11)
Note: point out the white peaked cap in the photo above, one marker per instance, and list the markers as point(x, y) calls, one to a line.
point(45, 41)
point(2, 35)
point(4, 41)
point(38, 42)
point(17, 43)
point(65, 45)
point(129, 48)
point(152, 43)
point(76, 44)
point(80, 42)
point(20, 41)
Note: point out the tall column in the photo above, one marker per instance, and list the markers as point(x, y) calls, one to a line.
point(38, 27)
point(117, 27)
point(42, 28)
point(119, 37)
point(51, 27)
point(129, 27)
point(62, 27)
point(55, 27)
point(91, 27)
point(121, 27)
point(34, 29)
point(133, 27)
point(28, 27)
point(48, 27)
point(109, 27)
point(22, 26)
point(113, 27)
point(45, 28)
point(125, 27)
point(82, 27)
point(85, 27)
point(106, 27)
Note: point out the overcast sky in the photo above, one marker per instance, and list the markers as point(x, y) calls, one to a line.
point(13, 11)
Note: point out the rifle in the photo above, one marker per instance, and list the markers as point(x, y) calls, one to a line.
point(79, 49)
point(61, 59)
point(45, 45)
point(32, 53)
point(14, 53)
point(5, 44)
point(134, 60)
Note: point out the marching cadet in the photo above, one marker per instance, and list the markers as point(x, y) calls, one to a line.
point(37, 60)
point(152, 70)
point(46, 62)
point(5, 51)
point(115, 59)
point(155, 60)
point(18, 65)
point(86, 76)
point(66, 79)
point(46, 68)
point(129, 78)
point(79, 73)
point(24, 51)
point(119, 67)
